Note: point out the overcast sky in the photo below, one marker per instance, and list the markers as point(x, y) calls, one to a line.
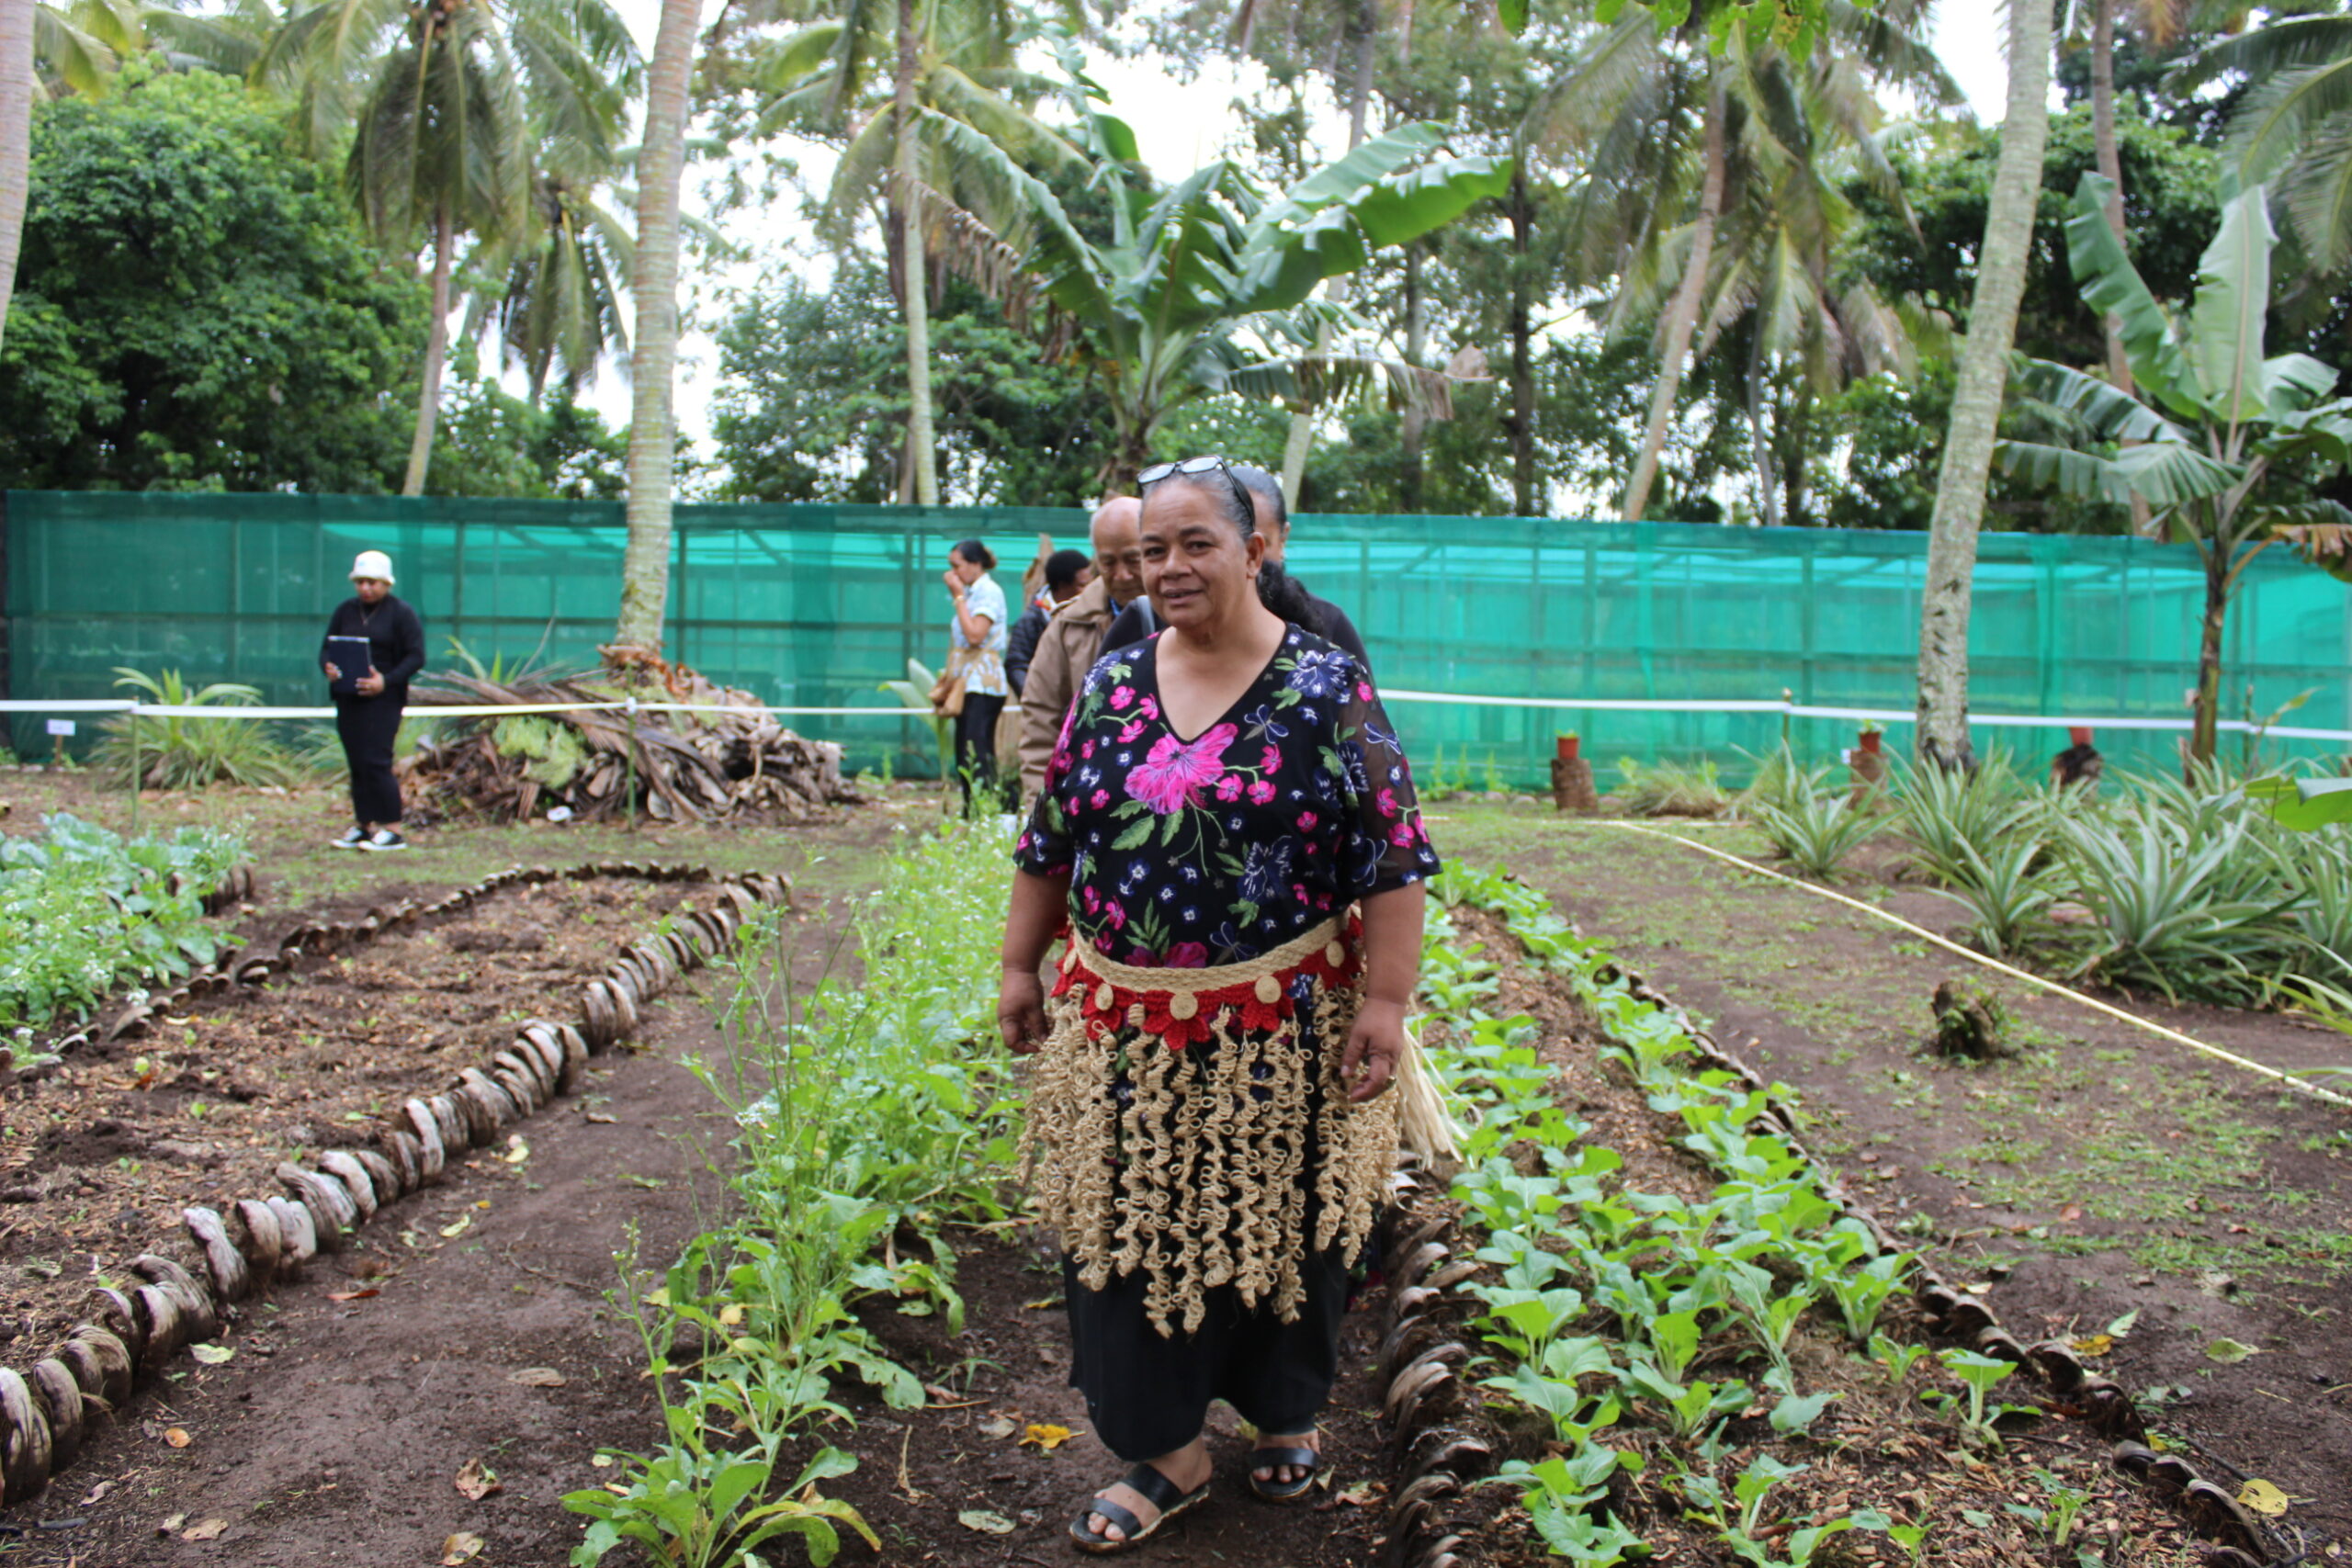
point(1179, 126)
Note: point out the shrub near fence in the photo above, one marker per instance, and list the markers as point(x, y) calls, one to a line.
point(816, 605)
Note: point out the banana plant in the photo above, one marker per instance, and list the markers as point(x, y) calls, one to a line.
point(2223, 442)
point(1163, 311)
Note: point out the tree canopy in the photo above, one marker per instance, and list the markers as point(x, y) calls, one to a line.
point(197, 305)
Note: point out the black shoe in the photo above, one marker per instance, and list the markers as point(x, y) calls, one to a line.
point(353, 837)
point(383, 838)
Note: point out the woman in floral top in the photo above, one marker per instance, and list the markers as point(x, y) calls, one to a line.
point(1230, 831)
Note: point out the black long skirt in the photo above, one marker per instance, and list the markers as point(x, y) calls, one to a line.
point(1148, 1393)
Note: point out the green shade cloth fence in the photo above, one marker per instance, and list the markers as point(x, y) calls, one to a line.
point(814, 606)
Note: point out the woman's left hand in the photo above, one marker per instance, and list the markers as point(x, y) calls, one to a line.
point(1375, 1046)
point(955, 584)
point(369, 686)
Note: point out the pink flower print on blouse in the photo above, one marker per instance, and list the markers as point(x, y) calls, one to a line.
point(1306, 820)
point(1172, 775)
point(1261, 792)
point(1112, 912)
point(1131, 734)
point(1229, 788)
point(1270, 762)
point(1120, 697)
point(1150, 708)
point(1387, 803)
point(1187, 955)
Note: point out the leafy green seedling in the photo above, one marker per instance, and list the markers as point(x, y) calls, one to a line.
point(1897, 1357)
point(1981, 1374)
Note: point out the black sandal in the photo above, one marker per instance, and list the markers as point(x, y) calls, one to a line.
point(1274, 1491)
point(1156, 1489)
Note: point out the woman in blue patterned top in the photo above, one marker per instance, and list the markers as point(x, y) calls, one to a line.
point(1230, 831)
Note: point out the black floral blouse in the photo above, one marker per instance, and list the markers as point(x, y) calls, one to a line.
point(1186, 854)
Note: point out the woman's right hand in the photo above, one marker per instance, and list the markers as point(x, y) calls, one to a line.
point(332, 674)
point(1021, 1012)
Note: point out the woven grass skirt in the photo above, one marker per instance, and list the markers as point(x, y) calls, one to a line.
point(1189, 1125)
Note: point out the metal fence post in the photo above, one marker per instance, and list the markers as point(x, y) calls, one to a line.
point(133, 716)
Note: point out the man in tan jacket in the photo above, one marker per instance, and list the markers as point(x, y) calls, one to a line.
point(1072, 640)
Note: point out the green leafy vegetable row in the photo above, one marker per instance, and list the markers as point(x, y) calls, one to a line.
point(84, 911)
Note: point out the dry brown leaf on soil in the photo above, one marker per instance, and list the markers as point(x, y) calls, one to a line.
point(353, 1295)
point(462, 1546)
point(1002, 1426)
point(457, 1227)
point(208, 1530)
point(1045, 1438)
point(477, 1481)
point(536, 1377)
point(517, 1151)
point(210, 1354)
point(177, 1437)
point(172, 1522)
point(986, 1522)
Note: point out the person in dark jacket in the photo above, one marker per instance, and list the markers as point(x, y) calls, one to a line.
point(1277, 589)
point(1067, 572)
point(368, 703)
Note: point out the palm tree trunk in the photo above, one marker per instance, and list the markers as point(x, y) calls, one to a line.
point(653, 354)
point(1796, 435)
point(15, 138)
point(1682, 316)
point(1363, 21)
point(2110, 168)
point(2205, 739)
point(1523, 347)
point(1414, 431)
point(437, 352)
point(920, 456)
point(1768, 487)
point(1977, 398)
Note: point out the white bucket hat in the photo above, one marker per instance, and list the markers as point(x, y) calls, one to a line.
point(371, 563)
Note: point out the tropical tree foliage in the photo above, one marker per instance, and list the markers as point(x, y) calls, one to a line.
point(447, 110)
point(251, 339)
point(2221, 440)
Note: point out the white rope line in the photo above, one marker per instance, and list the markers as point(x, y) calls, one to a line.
point(2176, 1036)
point(1874, 716)
point(1455, 699)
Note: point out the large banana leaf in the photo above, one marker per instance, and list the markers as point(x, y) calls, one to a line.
point(2324, 432)
point(2113, 285)
point(2163, 473)
point(2293, 382)
point(2225, 324)
point(2107, 413)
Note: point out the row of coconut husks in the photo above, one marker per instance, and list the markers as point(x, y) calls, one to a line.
point(48, 1410)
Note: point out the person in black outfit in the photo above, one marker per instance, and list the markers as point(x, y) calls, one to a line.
point(1277, 589)
point(1067, 572)
point(368, 703)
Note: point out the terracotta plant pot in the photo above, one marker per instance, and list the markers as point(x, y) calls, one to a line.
point(1871, 739)
point(1567, 748)
point(2079, 734)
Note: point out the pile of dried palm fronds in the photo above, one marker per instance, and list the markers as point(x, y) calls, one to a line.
point(722, 758)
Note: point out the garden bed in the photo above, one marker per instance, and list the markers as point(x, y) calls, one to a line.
point(2104, 1175)
point(1872, 1447)
point(105, 1148)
